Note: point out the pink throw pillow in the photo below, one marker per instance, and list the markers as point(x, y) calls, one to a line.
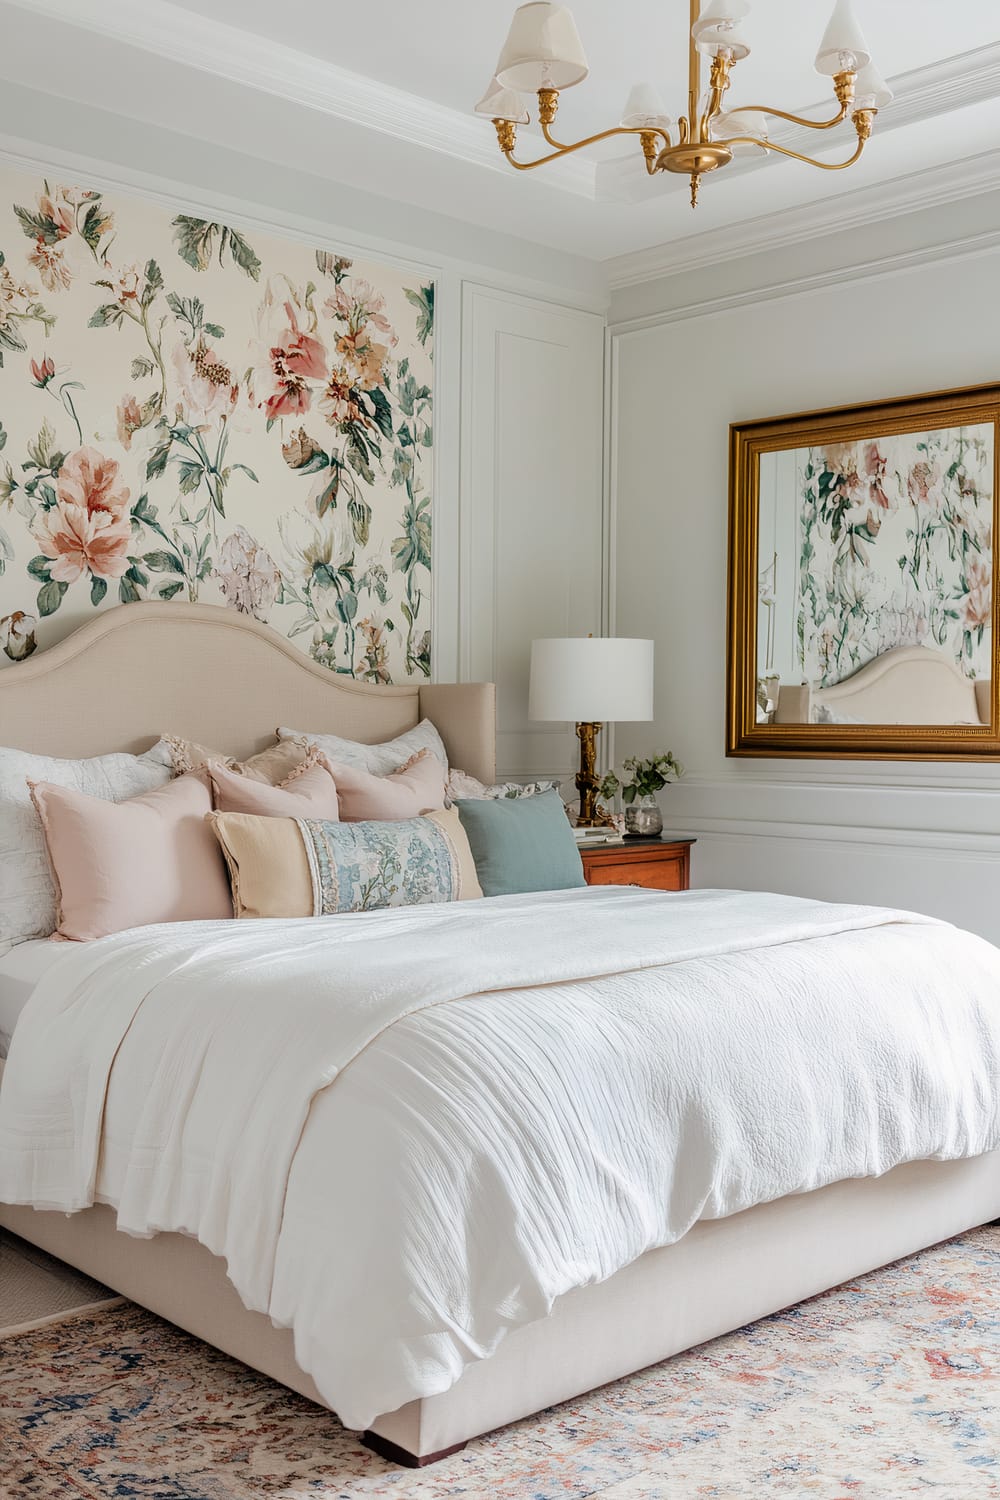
point(309, 792)
point(117, 865)
point(416, 788)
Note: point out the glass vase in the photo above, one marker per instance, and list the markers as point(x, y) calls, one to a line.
point(643, 819)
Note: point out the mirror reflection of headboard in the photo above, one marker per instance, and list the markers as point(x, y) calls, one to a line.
point(907, 685)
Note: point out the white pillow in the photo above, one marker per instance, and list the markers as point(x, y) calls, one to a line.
point(463, 787)
point(379, 760)
point(27, 892)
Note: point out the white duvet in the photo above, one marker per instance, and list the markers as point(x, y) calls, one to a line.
point(410, 1131)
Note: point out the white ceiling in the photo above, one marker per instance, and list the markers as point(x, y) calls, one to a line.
point(378, 94)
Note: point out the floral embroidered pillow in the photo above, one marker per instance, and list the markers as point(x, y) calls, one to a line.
point(271, 766)
point(296, 867)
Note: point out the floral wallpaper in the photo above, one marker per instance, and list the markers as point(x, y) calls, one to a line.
point(896, 539)
point(192, 412)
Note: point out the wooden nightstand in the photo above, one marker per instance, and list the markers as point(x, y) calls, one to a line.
point(661, 864)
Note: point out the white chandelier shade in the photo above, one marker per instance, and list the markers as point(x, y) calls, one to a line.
point(543, 49)
point(644, 108)
point(843, 48)
point(499, 103)
point(871, 90)
point(745, 123)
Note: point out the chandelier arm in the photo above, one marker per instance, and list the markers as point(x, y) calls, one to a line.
point(824, 166)
point(604, 135)
point(780, 114)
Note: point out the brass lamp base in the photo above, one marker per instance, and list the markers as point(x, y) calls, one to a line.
point(587, 780)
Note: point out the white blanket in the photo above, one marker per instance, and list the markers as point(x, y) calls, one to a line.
point(613, 1065)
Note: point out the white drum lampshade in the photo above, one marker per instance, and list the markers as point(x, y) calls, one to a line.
point(543, 50)
point(871, 90)
point(594, 680)
point(499, 103)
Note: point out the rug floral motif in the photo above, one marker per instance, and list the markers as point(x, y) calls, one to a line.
point(887, 1387)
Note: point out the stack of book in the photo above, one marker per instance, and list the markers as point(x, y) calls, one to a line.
point(593, 838)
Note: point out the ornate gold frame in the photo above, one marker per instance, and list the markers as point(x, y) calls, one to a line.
point(748, 441)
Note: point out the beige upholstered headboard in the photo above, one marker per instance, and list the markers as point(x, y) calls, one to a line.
point(223, 679)
point(906, 685)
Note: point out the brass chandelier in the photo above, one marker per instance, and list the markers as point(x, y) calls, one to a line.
point(543, 55)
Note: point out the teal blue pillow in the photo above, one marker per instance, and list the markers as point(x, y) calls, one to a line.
point(521, 844)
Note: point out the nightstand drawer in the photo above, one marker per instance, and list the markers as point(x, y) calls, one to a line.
point(659, 866)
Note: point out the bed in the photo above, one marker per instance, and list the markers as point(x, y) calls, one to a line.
point(223, 679)
point(906, 685)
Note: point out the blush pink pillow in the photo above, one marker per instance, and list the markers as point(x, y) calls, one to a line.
point(416, 788)
point(152, 858)
point(309, 792)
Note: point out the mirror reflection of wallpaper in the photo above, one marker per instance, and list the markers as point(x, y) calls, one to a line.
point(192, 412)
point(880, 543)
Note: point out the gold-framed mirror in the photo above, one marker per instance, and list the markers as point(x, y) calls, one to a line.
point(863, 548)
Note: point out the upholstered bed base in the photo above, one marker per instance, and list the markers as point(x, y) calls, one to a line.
point(723, 1274)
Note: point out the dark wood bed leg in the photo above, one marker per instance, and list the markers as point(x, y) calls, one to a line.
point(387, 1449)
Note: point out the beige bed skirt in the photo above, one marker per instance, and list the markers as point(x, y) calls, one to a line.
point(725, 1273)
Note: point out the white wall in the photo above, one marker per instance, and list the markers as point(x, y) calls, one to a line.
point(924, 836)
point(519, 386)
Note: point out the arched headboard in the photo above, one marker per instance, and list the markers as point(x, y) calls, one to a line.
point(223, 679)
point(906, 685)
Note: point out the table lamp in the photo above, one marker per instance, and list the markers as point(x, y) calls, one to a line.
point(590, 681)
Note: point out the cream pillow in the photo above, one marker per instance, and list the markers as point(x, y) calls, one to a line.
point(285, 867)
point(380, 760)
point(271, 766)
point(119, 865)
point(27, 890)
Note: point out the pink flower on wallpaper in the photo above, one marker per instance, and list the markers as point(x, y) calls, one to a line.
point(296, 358)
point(247, 575)
point(358, 303)
point(42, 372)
point(128, 284)
point(89, 529)
point(128, 419)
point(207, 387)
point(48, 261)
point(979, 600)
point(923, 483)
point(336, 403)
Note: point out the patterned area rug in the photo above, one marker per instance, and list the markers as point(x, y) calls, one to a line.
point(886, 1388)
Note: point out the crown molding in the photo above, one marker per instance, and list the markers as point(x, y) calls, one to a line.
point(925, 93)
point(965, 247)
point(256, 62)
point(874, 204)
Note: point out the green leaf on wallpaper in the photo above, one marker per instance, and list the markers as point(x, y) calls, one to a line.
point(141, 367)
point(168, 590)
point(40, 451)
point(93, 225)
point(383, 410)
point(357, 454)
point(243, 255)
point(215, 330)
point(108, 315)
point(11, 339)
point(423, 301)
point(248, 471)
point(98, 589)
point(196, 243)
point(46, 494)
point(127, 591)
point(3, 436)
point(50, 597)
point(327, 496)
point(39, 567)
point(163, 562)
point(136, 575)
point(347, 607)
point(361, 519)
point(154, 283)
point(156, 464)
point(191, 474)
point(39, 226)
